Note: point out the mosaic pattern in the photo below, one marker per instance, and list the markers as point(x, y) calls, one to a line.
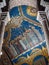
point(23, 18)
point(33, 56)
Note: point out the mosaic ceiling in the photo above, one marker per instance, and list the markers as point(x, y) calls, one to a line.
point(23, 23)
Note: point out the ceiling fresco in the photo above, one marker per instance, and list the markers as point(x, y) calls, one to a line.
point(25, 37)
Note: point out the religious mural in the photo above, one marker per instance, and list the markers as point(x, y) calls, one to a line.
point(24, 37)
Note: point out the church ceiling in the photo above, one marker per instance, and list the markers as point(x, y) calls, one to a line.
point(23, 23)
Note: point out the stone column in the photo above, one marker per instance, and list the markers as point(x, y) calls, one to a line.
point(45, 24)
point(2, 28)
point(46, 33)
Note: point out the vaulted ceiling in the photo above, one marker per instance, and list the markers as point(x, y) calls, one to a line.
point(7, 5)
